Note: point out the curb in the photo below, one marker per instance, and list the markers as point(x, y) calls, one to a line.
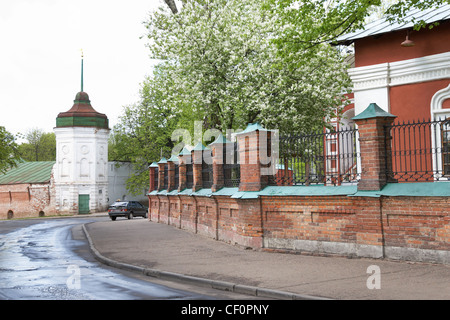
point(214, 284)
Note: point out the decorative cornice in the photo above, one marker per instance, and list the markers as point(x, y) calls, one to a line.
point(422, 69)
point(370, 77)
point(397, 73)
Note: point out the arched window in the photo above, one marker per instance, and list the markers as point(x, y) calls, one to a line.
point(84, 167)
point(440, 114)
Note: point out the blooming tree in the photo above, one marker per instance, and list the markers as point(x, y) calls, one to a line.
point(228, 67)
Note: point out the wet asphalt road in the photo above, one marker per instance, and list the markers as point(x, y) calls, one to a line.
point(50, 260)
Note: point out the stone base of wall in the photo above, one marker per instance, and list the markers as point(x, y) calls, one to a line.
point(358, 251)
point(326, 247)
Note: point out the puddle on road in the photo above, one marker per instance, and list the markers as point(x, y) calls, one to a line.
point(39, 262)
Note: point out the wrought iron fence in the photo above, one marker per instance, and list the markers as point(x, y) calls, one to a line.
point(189, 176)
point(207, 172)
point(231, 166)
point(166, 177)
point(177, 175)
point(418, 151)
point(329, 158)
point(156, 177)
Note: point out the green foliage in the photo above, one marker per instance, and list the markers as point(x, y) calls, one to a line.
point(41, 146)
point(8, 150)
point(311, 22)
point(397, 11)
point(321, 21)
point(144, 129)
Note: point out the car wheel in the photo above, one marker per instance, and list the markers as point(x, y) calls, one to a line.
point(113, 218)
point(130, 215)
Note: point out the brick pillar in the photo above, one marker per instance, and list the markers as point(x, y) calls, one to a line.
point(252, 148)
point(161, 173)
point(197, 161)
point(171, 175)
point(152, 173)
point(218, 155)
point(183, 158)
point(373, 148)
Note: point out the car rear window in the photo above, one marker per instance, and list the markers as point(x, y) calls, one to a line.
point(119, 204)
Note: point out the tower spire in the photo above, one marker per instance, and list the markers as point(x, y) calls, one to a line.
point(81, 70)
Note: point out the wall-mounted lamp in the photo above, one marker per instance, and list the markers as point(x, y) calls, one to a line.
point(407, 42)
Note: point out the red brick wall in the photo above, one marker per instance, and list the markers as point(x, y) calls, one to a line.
point(386, 48)
point(417, 98)
point(345, 225)
point(313, 218)
point(417, 222)
point(26, 200)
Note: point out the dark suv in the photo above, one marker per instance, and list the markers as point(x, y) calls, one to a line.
point(127, 209)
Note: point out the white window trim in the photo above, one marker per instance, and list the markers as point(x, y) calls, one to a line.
point(437, 113)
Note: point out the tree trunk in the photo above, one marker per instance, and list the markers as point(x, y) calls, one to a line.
point(172, 6)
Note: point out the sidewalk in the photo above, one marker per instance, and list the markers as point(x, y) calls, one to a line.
point(169, 253)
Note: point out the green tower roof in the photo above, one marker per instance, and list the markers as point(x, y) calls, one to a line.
point(82, 114)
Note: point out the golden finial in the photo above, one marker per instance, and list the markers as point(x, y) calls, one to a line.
point(81, 70)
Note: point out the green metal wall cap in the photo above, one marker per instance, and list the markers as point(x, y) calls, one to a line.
point(252, 127)
point(163, 160)
point(185, 152)
point(220, 140)
point(173, 158)
point(153, 165)
point(200, 147)
point(373, 111)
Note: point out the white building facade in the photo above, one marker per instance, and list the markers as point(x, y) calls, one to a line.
point(81, 169)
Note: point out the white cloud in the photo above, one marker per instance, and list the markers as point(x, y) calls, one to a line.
point(40, 57)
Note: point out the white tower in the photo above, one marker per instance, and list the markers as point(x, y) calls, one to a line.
point(80, 172)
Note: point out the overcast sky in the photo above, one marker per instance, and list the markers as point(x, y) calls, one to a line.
point(40, 57)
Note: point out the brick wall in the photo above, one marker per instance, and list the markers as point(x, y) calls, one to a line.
point(421, 223)
point(364, 223)
point(408, 228)
point(26, 200)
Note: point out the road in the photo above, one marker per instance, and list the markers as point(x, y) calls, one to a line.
point(49, 259)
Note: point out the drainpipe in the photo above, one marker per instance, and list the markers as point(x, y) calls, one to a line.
point(180, 211)
point(196, 214)
point(262, 221)
point(217, 217)
point(383, 244)
point(159, 207)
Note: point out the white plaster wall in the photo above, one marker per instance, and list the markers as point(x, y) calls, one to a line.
point(81, 168)
point(118, 173)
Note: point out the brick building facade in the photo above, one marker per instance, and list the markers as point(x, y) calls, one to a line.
point(27, 190)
